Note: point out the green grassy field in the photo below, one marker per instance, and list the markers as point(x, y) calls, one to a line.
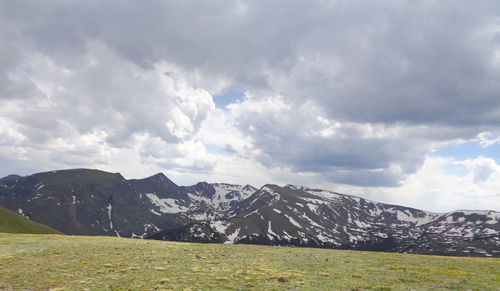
point(56, 262)
point(12, 222)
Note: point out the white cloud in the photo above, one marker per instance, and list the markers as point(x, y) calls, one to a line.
point(83, 114)
point(487, 139)
point(444, 184)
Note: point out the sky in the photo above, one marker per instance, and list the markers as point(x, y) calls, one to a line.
point(393, 101)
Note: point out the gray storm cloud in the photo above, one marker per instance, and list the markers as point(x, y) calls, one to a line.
point(387, 80)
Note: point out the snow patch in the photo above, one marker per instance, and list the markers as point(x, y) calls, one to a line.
point(328, 195)
point(202, 216)
point(315, 201)
point(361, 224)
point(489, 231)
point(375, 212)
point(154, 212)
point(20, 211)
point(232, 237)
point(138, 236)
point(270, 232)
point(292, 221)
point(166, 205)
point(312, 222)
point(287, 236)
point(494, 217)
point(109, 215)
point(323, 238)
point(253, 212)
point(273, 193)
point(219, 225)
point(149, 226)
point(313, 208)
point(198, 198)
point(381, 234)
point(237, 193)
point(407, 216)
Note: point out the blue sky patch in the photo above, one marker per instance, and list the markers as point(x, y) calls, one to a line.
point(215, 150)
point(228, 97)
point(469, 150)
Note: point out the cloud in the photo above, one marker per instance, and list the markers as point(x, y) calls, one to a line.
point(480, 169)
point(114, 94)
point(342, 92)
point(379, 62)
point(418, 64)
point(487, 139)
point(81, 114)
point(433, 187)
point(305, 140)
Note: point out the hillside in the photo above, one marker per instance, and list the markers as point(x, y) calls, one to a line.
point(12, 222)
point(41, 262)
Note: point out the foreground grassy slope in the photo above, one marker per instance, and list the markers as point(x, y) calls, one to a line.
point(15, 223)
point(40, 262)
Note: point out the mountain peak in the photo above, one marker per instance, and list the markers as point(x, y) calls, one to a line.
point(158, 178)
point(159, 175)
point(10, 178)
point(158, 183)
point(296, 187)
point(77, 176)
point(249, 187)
point(205, 189)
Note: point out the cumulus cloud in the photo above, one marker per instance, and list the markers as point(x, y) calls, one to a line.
point(445, 184)
point(304, 139)
point(85, 114)
point(104, 96)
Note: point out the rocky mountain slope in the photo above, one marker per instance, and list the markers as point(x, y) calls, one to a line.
point(301, 216)
point(93, 202)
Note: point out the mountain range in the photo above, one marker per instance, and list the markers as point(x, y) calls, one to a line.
point(93, 202)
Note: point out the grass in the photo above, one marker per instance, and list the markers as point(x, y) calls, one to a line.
point(12, 222)
point(55, 262)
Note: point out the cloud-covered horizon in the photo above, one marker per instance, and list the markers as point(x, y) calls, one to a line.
point(362, 97)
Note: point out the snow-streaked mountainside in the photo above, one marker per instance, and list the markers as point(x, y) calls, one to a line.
point(203, 201)
point(301, 216)
point(93, 202)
